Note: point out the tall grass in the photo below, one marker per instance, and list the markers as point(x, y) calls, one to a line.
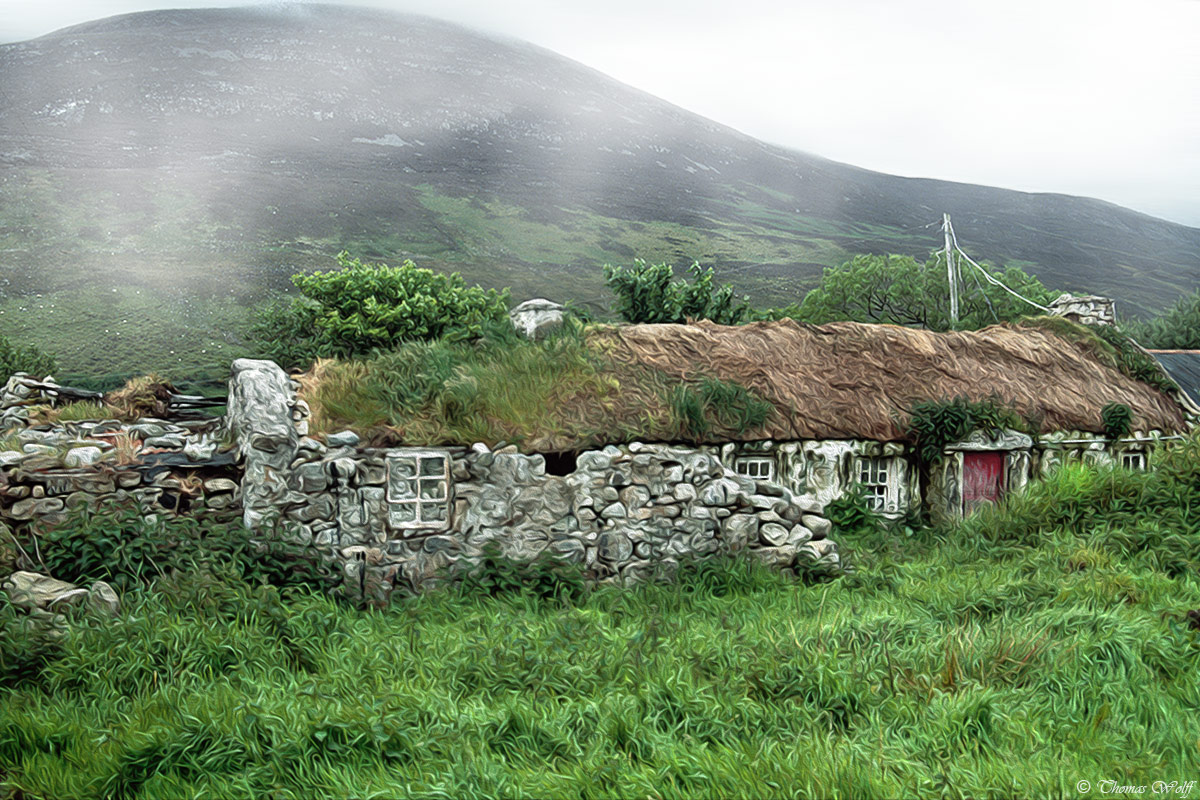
point(556, 394)
point(1033, 646)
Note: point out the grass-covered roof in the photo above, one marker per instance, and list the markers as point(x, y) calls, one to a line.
point(612, 384)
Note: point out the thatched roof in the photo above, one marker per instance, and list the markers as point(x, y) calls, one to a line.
point(850, 380)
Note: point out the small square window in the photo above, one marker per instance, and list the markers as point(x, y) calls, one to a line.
point(759, 468)
point(1133, 460)
point(872, 472)
point(418, 489)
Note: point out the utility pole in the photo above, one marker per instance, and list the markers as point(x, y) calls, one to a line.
point(951, 278)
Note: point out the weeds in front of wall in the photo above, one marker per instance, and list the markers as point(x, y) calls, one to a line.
point(992, 656)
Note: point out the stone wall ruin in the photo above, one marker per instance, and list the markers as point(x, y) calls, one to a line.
point(401, 518)
point(406, 517)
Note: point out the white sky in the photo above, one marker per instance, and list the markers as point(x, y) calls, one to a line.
point(1090, 97)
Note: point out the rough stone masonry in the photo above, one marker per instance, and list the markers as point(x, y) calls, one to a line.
point(405, 517)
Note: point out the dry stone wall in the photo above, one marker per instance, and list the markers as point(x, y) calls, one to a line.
point(407, 517)
point(47, 471)
point(401, 518)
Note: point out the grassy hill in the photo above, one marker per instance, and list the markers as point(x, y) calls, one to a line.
point(193, 159)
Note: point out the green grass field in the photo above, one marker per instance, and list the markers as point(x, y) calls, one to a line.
point(1013, 655)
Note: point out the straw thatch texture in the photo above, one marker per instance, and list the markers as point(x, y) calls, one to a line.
point(848, 380)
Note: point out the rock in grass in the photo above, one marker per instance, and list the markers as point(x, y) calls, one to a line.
point(33, 590)
point(102, 597)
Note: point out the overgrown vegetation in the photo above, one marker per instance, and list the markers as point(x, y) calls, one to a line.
point(898, 290)
point(1132, 361)
point(1116, 419)
point(70, 412)
point(853, 516)
point(1177, 328)
point(649, 293)
point(1110, 346)
point(548, 394)
point(731, 406)
point(116, 544)
point(1032, 646)
point(933, 424)
point(24, 358)
point(361, 307)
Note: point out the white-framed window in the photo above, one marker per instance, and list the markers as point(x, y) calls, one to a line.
point(418, 489)
point(759, 468)
point(1134, 459)
point(873, 475)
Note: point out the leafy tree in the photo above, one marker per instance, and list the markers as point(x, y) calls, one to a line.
point(363, 307)
point(649, 293)
point(898, 290)
point(23, 358)
point(1177, 329)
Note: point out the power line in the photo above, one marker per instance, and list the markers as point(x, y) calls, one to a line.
point(986, 275)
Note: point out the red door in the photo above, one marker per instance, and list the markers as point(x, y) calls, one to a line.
point(983, 479)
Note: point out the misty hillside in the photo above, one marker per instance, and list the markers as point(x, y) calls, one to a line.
point(160, 170)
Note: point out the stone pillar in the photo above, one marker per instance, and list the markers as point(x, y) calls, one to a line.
point(261, 401)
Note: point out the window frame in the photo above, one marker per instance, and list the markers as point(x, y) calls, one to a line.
point(755, 459)
point(1137, 456)
point(881, 496)
point(422, 517)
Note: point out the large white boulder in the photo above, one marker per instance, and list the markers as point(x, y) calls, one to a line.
point(536, 318)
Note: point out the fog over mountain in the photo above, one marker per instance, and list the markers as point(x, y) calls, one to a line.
point(201, 156)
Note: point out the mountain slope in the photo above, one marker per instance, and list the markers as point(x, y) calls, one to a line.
point(190, 159)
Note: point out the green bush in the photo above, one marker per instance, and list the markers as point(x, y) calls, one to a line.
point(364, 307)
point(23, 358)
point(649, 294)
point(1116, 418)
point(1178, 328)
point(285, 330)
point(116, 544)
point(933, 424)
point(852, 514)
point(546, 577)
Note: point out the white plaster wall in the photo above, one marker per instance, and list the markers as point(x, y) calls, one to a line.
point(823, 470)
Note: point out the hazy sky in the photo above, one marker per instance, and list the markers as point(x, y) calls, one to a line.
point(1091, 97)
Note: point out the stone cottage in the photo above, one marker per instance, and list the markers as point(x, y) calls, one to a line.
point(842, 394)
point(404, 516)
point(400, 517)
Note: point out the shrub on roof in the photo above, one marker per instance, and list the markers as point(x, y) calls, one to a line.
point(361, 307)
point(649, 293)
